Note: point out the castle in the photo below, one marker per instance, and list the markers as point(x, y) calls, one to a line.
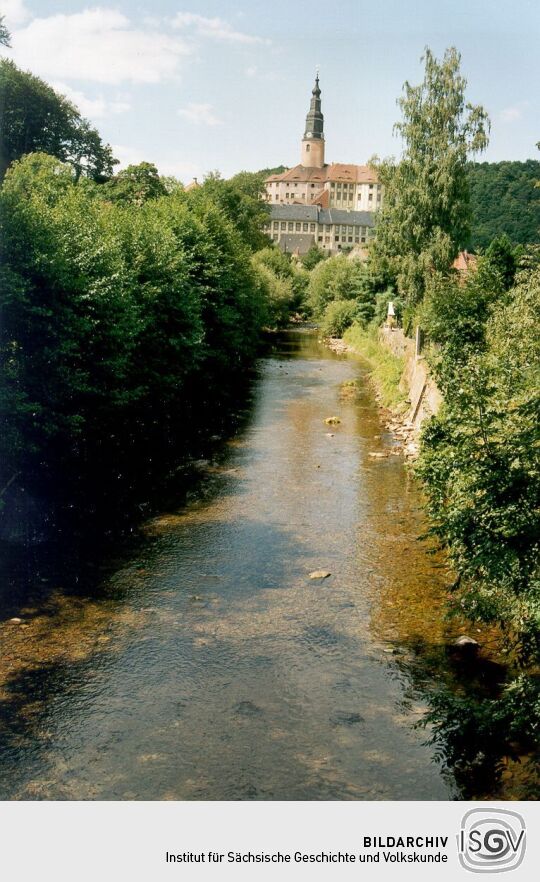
point(315, 203)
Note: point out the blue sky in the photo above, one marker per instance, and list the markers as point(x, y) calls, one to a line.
point(205, 85)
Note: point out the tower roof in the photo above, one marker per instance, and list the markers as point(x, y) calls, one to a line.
point(315, 119)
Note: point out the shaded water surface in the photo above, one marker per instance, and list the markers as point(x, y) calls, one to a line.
point(207, 664)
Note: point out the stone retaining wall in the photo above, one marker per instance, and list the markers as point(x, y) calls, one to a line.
point(416, 381)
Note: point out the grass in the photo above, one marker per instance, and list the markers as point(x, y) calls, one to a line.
point(386, 368)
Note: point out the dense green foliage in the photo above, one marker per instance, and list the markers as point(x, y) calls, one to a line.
point(239, 199)
point(481, 455)
point(480, 468)
point(135, 185)
point(285, 284)
point(425, 215)
point(36, 118)
point(337, 317)
point(120, 316)
point(504, 200)
point(340, 278)
point(312, 257)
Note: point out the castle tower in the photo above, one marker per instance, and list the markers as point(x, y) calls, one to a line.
point(313, 140)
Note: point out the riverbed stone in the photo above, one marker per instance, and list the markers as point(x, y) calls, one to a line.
point(332, 421)
point(319, 574)
point(466, 643)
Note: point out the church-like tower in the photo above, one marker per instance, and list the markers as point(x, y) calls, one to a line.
point(313, 140)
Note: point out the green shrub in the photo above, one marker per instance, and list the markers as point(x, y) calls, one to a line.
point(338, 316)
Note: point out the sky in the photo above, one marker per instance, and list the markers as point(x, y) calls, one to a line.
point(203, 85)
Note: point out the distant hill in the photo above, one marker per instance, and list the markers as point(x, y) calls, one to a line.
point(279, 169)
point(505, 200)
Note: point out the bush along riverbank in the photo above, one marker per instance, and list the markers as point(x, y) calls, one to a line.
point(131, 310)
point(480, 469)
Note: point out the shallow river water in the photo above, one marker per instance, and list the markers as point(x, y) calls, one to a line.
point(207, 664)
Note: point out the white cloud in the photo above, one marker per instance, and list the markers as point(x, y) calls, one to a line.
point(215, 28)
point(99, 45)
point(200, 114)
point(251, 71)
point(511, 114)
point(15, 12)
point(94, 108)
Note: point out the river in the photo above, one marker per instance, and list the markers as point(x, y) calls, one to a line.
point(205, 663)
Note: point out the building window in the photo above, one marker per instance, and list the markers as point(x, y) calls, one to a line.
point(308, 148)
point(370, 197)
point(319, 238)
point(283, 225)
point(298, 227)
point(363, 238)
point(327, 238)
point(312, 227)
point(350, 238)
point(337, 238)
point(305, 227)
point(291, 226)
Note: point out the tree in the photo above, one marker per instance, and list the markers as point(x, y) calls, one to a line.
point(123, 325)
point(35, 118)
point(239, 199)
point(313, 257)
point(135, 185)
point(5, 36)
point(480, 460)
point(339, 278)
point(425, 215)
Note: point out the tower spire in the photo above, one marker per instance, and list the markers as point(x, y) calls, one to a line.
point(313, 140)
point(315, 119)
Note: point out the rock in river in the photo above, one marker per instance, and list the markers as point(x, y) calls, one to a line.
point(465, 646)
point(319, 574)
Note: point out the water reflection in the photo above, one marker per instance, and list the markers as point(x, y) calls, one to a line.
point(204, 663)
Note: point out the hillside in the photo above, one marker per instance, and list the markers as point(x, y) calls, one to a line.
point(504, 199)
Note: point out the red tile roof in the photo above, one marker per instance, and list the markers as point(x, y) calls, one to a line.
point(465, 262)
point(336, 172)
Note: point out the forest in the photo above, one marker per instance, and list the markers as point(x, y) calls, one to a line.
point(504, 201)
